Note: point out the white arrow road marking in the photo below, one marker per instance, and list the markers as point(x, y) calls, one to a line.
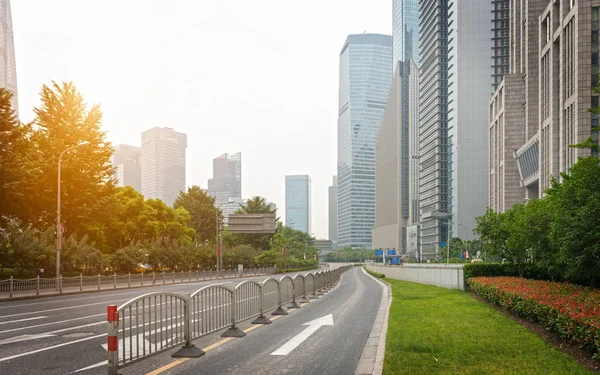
point(23, 320)
point(313, 326)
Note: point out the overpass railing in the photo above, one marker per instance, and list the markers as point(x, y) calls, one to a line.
point(158, 321)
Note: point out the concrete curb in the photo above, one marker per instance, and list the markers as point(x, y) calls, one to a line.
point(371, 359)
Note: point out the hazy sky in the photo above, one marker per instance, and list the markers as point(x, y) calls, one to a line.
point(259, 77)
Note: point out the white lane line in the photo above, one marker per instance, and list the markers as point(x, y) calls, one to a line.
point(64, 308)
point(51, 323)
point(42, 335)
point(91, 367)
point(50, 348)
point(23, 320)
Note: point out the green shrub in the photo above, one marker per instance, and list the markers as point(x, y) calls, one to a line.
point(288, 270)
point(376, 274)
point(358, 264)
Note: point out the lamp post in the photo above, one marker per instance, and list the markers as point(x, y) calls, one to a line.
point(58, 224)
point(466, 232)
point(219, 240)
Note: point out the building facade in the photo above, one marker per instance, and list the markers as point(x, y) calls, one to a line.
point(8, 65)
point(555, 63)
point(405, 31)
point(297, 202)
point(500, 40)
point(226, 183)
point(333, 211)
point(365, 79)
point(163, 164)
point(128, 171)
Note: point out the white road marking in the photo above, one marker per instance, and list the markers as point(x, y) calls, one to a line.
point(103, 363)
point(36, 336)
point(23, 320)
point(63, 308)
point(313, 326)
point(51, 323)
point(50, 347)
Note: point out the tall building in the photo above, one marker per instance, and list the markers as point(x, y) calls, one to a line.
point(500, 40)
point(396, 163)
point(554, 62)
point(226, 183)
point(333, 210)
point(163, 164)
point(126, 161)
point(8, 71)
point(297, 202)
point(405, 30)
point(433, 124)
point(365, 66)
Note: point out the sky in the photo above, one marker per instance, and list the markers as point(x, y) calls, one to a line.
point(260, 77)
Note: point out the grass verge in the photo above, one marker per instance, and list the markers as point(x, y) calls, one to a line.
point(433, 330)
point(376, 274)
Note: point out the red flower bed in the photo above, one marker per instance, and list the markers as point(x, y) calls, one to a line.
point(569, 310)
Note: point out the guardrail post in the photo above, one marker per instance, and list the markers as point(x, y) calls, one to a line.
point(164, 277)
point(80, 282)
point(304, 298)
point(60, 284)
point(37, 286)
point(262, 319)
point(181, 275)
point(112, 320)
point(98, 280)
point(233, 331)
point(11, 287)
point(294, 304)
point(188, 350)
point(142, 278)
point(173, 277)
point(129, 280)
point(279, 310)
point(153, 277)
point(115, 280)
point(197, 274)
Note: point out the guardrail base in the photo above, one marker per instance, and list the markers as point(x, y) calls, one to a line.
point(234, 332)
point(304, 300)
point(279, 311)
point(191, 351)
point(294, 305)
point(262, 320)
point(313, 296)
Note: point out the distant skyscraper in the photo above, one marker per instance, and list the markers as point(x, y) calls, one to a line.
point(8, 66)
point(500, 40)
point(226, 183)
point(405, 31)
point(333, 210)
point(297, 202)
point(163, 164)
point(126, 161)
point(365, 66)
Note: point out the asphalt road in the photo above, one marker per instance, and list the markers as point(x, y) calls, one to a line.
point(63, 334)
point(329, 350)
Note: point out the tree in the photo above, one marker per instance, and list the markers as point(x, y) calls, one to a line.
point(16, 175)
point(256, 205)
point(63, 121)
point(203, 212)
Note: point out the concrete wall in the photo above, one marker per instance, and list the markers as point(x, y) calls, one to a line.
point(450, 277)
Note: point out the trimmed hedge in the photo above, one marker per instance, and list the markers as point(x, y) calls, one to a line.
point(376, 274)
point(287, 270)
point(504, 269)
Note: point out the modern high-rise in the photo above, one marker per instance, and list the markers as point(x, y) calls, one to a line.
point(8, 65)
point(163, 164)
point(333, 210)
point(405, 31)
point(297, 202)
point(433, 124)
point(500, 40)
point(226, 183)
point(126, 161)
point(554, 62)
point(365, 79)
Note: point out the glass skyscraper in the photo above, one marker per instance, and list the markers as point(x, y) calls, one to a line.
point(405, 30)
point(365, 79)
point(8, 65)
point(297, 202)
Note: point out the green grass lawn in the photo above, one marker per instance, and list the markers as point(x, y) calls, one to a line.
point(439, 331)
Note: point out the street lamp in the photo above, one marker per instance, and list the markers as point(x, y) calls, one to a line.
point(58, 224)
point(219, 239)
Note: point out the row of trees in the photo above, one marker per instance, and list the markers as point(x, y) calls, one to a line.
point(105, 226)
point(558, 234)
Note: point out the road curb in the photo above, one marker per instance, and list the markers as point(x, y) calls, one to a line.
point(371, 359)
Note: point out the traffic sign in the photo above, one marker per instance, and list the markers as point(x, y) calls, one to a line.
point(391, 252)
point(443, 244)
point(379, 252)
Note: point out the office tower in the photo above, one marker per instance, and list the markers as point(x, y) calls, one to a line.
point(554, 61)
point(470, 83)
point(126, 161)
point(226, 183)
point(333, 210)
point(500, 40)
point(163, 164)
point(433, 124)
point(297, 202)
point(365, 66)
point(405, 30)
point(8, 73)
point(396, 163)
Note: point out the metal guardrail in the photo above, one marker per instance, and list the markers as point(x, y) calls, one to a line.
point(12, 287)
point(159, 321)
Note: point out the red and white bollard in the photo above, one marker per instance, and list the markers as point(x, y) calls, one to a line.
point(112, 320)
point(294, 304)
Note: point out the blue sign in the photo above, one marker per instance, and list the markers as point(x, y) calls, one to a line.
point(379, 252)
point(443, 244)
point(395, 260)
point(391, 252)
